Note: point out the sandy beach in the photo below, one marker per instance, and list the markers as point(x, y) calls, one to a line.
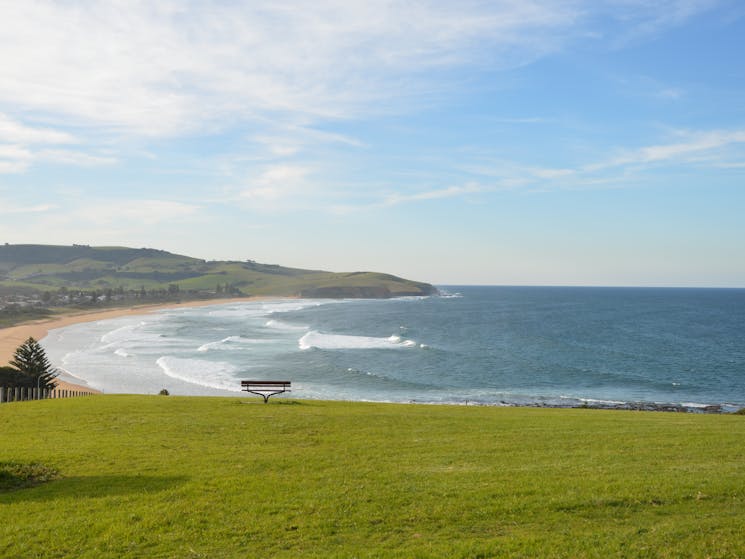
point(12, 337)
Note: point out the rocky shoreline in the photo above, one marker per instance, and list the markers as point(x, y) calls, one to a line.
point(631, 406)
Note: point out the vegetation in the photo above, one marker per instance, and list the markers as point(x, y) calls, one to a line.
point(15, 476)
point(144, 476)
point(110, 273)
point(31, 361)
point(14, 314)
point(12, 377)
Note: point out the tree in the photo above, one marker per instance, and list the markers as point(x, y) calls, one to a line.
point(10, 377)
point(31, 360)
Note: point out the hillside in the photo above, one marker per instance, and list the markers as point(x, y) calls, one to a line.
point(120, 272)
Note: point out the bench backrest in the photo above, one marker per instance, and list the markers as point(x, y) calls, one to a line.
point(266, 383)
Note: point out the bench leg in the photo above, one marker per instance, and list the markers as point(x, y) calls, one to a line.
point(265, 395)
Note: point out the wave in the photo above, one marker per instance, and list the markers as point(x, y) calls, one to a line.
point(445, 294)
point(279, 325)
point(315, 339)
point(231, 342)
point(121, 333)
point(122, 353)
point(212, 374)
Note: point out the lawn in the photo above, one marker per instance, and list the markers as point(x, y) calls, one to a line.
point(163, 476)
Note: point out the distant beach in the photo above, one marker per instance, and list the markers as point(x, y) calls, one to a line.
point(14, 336)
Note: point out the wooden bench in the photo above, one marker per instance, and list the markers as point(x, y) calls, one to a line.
point(266, 388)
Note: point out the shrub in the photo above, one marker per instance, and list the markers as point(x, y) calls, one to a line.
point(14, 475)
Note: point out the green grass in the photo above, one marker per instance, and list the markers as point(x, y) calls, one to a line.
point(231, 477)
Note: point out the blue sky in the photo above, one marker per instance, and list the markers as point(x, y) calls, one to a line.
point(506, 142)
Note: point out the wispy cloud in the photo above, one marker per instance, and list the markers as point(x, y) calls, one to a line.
point(27, 144)
point(14, 158)
point(640, 20)
point(7, 207)
point(672, 93)
point(696, 143)
point(436, 194)
point(69, 157)
point(280, 188)
point(16, 132)
point(171, 68)
point(702, 148)
point(395, 199)
point(132, 213)
point(168, 67)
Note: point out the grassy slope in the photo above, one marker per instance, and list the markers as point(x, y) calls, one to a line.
point(48, 267)
point(222, 477)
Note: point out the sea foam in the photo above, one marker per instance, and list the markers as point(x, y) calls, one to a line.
point(231, 342)
point(314, 339)
point(212, 374)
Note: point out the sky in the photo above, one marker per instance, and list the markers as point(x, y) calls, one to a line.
point(504, 142)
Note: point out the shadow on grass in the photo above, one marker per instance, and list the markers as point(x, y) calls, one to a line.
point(92, 487)
point(277, 402)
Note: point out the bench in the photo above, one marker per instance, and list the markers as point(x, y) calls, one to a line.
point(265, 388)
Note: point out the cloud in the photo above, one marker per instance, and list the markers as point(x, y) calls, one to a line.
point(698, 142)
point(552, 173)
point(702, 148)
point(395, 199)
point(170, 67)
point(436, 194)
point(129, 213)
point(640, 20)
point(68, 157)
point(14, 158)
point(11, 208)
point(28, 144)
point(670, 93)
point(15, 132)
point(17, 159)
point(278, 187)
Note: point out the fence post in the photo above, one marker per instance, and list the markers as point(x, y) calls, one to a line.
point(2, 393)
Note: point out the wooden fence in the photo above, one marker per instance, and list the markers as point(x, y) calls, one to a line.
point(21, 394)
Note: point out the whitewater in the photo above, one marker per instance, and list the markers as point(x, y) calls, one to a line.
point(482, 345)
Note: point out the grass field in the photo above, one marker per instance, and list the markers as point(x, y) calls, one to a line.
point(157, 476)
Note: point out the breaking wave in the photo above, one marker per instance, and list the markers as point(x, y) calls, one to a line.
point(314, 339)
point(212, 374)
point(231, 342)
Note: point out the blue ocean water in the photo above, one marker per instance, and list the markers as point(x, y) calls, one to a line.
point(491, 345)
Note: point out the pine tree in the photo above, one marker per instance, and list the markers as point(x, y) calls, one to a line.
point(31, 360)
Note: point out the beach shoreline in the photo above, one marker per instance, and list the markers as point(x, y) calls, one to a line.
point(13, 336)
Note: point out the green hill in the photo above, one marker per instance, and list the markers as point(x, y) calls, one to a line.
point(118, 271)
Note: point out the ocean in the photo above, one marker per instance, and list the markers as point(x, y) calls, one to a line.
point(545, 346)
